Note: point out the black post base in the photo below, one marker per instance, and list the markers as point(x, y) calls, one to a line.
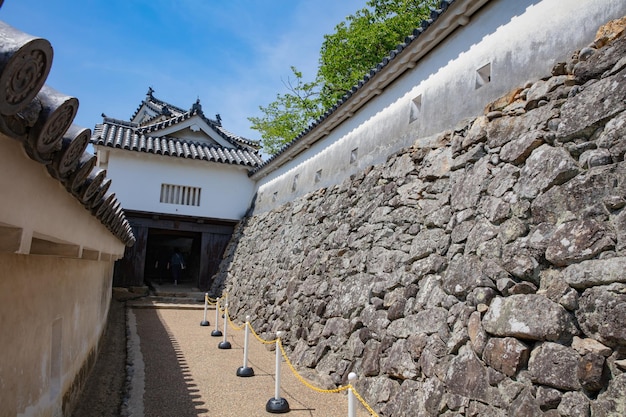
point(216, 333)
point(204, 323)
point(224, 345)
point(277, 406)
point(245, 371)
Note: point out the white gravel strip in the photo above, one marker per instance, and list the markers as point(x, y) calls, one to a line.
point(134, 404)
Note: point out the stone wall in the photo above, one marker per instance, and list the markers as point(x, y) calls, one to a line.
point(483, 276)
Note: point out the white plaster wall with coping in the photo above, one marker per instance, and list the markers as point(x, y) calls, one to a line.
point(36, 205)
point(40, 367)
point(520, 39)
point(226, 190)
point(54, 301)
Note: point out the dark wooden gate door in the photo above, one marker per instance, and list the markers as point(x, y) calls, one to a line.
point(212, 250)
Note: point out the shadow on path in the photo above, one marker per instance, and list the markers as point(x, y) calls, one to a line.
point(169, 387)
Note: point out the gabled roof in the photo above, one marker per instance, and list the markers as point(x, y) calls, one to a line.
point(159, 128)
point(125, 135)
point(161, 114)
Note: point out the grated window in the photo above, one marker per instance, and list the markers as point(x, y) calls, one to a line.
point(180, 194)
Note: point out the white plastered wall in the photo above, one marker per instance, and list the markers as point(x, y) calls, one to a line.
point(226, 190)
point(56, 266)
point(521, 40)
point(52, 314)
point(35, 206)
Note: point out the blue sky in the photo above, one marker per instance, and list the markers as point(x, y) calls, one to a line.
point(232, 54)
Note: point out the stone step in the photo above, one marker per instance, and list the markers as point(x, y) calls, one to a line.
point(183, 303)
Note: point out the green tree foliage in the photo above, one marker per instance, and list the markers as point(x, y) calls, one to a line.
point(289, 115)
point(357, 45)
point(363, 40)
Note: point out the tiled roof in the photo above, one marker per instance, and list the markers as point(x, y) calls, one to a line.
point(124, 135)
point(237, 141)
point(53, 140)
point(177, 115)
point(156, 105)
point(434, 15)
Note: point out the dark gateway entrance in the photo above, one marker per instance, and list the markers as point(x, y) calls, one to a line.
point(201, 241)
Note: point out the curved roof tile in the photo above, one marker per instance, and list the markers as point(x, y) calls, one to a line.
point(65, 147)
point(179, 115)
point(131, 138)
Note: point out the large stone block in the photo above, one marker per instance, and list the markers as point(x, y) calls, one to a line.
point(467, 376)
point(518, 150)
point(546, 167)
point(530, 317)
point(465, 273)
point(428, 321)
point(595, 272)
point(525, 405)
point(574, 404)
point(591, 372)
point(580, 194)
point(555, 365)
point(597, 103)
point(506, 355)
point(468, 184)
point(399, 362)
point(577, 241)
point(601, 314)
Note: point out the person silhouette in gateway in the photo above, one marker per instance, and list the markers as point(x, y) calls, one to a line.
point(176, 265)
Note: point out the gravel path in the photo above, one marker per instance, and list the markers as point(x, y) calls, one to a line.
point(105, 387)
point(185, 374)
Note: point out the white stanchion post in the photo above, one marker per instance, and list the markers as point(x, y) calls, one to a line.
point(245, 371)
point(217, 332)
point(205, 322)
point(351, 398)
point(277, 404)
point(277, 385)
point(225, 344)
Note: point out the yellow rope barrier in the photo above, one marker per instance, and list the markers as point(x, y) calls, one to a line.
point(304, 381)
point(293, 369)
point(324, 391)
point(366, 405)
point(233, 325)
point(211, 301)
point(259, 338)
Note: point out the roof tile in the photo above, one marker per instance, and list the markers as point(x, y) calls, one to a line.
point(113, 135)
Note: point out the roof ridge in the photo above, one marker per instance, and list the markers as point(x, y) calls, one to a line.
point(106, 119)
point(151, 101)
point(158, 101)
point(152, 124)
point(125, 136)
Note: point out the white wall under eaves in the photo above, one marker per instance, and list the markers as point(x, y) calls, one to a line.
point(226, 190)
point(520, 39)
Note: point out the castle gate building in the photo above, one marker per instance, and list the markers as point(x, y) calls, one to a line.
point(183, 182)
